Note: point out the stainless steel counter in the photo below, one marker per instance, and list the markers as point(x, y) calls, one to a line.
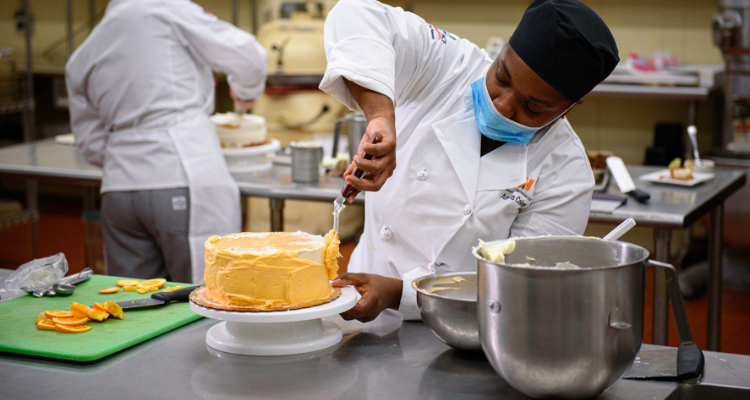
point(384, 359)
point(670, 208)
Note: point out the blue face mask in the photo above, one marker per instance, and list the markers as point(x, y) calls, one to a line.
point(494, 124)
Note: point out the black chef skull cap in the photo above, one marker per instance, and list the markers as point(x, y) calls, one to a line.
point(566, 44)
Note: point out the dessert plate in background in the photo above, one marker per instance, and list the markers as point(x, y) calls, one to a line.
point(663, 176)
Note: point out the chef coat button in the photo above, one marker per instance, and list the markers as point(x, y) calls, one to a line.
point(422, 175)
point(385, 234)
point(467, 209)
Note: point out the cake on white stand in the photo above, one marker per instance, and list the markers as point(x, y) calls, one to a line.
point(277, 333)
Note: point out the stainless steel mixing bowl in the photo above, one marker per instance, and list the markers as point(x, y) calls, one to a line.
point(563, 333)
point(451, 310)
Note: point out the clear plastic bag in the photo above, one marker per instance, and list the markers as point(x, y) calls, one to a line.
point(37, 274)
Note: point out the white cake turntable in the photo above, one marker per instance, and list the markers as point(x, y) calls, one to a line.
point(277, 333)
point(252, 158)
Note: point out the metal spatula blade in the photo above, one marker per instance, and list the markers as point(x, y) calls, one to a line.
point(338, 205)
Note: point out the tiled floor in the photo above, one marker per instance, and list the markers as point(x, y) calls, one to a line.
point(61, 229)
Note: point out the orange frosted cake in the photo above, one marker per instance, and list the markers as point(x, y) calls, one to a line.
point(269, 271)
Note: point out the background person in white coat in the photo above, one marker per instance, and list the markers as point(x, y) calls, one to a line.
point(483, 148)
point(141, 90)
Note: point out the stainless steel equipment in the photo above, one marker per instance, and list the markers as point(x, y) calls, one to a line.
point(449, 307)
point(355, 126)
point(306, 159)
point(731, 33)
point(569, 333)
point(64, 286)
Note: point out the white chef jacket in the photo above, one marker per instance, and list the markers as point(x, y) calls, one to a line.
point(141, 91)
point(148, 65)
point(443, 195)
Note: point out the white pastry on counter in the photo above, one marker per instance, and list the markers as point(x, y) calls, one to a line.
point(240, 131)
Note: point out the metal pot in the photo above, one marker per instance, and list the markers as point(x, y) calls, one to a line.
point(449, 308)
point(567, 333)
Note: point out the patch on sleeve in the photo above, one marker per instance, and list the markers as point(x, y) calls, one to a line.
point(440, 34)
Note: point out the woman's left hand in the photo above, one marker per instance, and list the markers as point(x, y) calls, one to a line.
point(378, 293)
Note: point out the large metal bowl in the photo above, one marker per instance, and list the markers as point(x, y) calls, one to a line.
point(562, 333)
point(449, 308)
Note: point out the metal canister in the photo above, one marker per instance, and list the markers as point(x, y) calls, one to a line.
point(306, 159)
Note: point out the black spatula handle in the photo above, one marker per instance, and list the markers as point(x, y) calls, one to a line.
point(175, 295)
point(690, 362)
point(349, 189)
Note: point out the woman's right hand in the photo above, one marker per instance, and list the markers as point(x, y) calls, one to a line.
point(383, 162)
point(381, 122)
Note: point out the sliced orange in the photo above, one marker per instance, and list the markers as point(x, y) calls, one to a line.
point(99, 306)
point(114, 309)
point(40, 317)
point(157, 283)
point(46, 325)
point(80, 310)
point(70, 321)
point(142, 290)
point(127, 282)
point(58, 314)
point(71, 329)
point(109, 290)
point(129, 288)
point(98, 316)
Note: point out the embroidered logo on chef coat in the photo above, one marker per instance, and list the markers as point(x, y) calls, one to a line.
point(517, 196)
point(440, 34)
point(527, 186)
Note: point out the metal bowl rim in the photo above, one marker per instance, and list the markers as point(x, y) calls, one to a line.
point(436, 296)
point(474, 251)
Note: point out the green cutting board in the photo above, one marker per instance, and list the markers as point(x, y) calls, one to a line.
point(18, 333)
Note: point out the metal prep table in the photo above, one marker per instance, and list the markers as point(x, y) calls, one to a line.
point(384, 359)
point(670, 208)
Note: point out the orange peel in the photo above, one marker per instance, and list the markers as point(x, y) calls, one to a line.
point(129, 288)
point(46, 325)
point(80, 310)
point(58, 314)
point(127, 282)
point(70, 321)
point(71, 329)
point(109, 290)
point(157, 283)
point(98, 315)
point(114, 309)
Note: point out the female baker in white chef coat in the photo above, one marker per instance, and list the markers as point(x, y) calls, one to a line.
point(141, 90)
point(483, 148)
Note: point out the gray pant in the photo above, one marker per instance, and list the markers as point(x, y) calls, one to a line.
point(146, 234)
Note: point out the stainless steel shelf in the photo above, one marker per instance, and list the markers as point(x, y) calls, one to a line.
point(18, 218)
point(16, 106)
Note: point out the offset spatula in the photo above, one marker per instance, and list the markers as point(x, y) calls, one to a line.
point(655, 365)
point(159, 298)
point(347, 191)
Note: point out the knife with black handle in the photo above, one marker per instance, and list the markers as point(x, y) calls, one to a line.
point(159, 298)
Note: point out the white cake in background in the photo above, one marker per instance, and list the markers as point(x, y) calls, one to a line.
point(240, 131)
